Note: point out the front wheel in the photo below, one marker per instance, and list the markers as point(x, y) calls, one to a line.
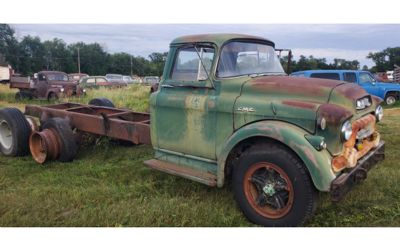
point(390, 99)
point(272, 187)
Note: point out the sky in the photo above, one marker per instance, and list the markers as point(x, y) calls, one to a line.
point(347, 41)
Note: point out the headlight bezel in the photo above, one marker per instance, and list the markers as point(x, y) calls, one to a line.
point(379, 113)
point(346, 130)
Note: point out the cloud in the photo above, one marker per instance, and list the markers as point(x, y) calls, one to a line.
point(351, 42)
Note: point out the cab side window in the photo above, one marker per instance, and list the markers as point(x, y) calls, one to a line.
point(188, 67)
point(349, 77)
point(332, 76)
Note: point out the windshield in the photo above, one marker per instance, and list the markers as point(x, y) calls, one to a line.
point(366, 78)
point(114, 77)
point(245, 58)
point(57, 77)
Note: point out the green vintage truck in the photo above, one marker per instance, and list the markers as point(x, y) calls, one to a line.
point(226, 112)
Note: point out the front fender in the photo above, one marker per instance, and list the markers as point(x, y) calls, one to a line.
point(318, 163)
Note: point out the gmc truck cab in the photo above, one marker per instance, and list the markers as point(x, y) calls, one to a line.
point(226, 111)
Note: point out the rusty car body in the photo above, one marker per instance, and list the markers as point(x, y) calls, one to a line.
point(226, 111)
point(100, 81)
point(45, 85)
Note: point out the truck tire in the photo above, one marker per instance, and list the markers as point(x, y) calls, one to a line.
point(101, 102)
point(14, 132)
point(52, 97)
point(390, 99)
point(272, 186)
point(69, 147)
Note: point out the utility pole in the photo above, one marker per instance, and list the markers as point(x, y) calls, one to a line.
point(131, 66)
point(79, 62)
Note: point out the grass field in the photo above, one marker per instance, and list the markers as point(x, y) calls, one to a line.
point(108, 185)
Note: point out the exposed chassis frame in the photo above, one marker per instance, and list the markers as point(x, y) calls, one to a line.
point(115, 123)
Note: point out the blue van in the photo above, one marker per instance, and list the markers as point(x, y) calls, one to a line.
point(390, 92)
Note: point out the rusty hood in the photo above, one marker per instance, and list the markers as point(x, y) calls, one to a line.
point(286, 87)
point(293, 99)
point(64, 84)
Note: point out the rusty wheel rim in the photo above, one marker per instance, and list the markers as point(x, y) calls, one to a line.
point(268, 190)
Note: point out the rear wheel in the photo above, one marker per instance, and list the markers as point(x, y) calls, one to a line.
point(390, 99)
point(52, 97)
point(14, 132)
point(69, 147)
point(102, 102)
point(272, 187)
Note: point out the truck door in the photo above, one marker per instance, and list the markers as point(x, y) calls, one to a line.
point(368, 83)
point(184, 115)
point(41, 85)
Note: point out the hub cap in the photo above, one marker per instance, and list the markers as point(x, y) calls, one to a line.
point(5, 135)
point(269, 190)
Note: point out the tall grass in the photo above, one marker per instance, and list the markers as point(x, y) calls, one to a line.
point(132, 97)
point(108, 185)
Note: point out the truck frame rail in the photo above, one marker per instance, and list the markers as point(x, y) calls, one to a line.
point(115, 123)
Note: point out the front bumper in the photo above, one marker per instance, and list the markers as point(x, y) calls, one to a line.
point(344, 182)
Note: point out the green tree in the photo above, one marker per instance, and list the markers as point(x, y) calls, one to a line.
point(157, 62)
point(31, 55)
point(9, 47)
point(385, 59)
point(58, 56)
point(93, 58)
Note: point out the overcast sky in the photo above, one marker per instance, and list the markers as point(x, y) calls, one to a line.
point(351, 42)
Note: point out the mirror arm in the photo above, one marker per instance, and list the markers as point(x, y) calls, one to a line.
point(204, 67)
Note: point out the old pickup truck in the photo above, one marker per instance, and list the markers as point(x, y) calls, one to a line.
point(45, 85)
point(226, 111)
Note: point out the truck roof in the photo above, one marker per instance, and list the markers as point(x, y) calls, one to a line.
point(217, 38)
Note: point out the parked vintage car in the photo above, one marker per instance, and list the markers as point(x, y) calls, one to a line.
point(127, 79)
point(151, 81)
point(99, 81)
point(387, 91)
point(76, 76)
point(45, 85)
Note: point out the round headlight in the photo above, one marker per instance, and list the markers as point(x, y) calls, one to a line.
point(346, 130)
point(379, 113)
point(62, 89)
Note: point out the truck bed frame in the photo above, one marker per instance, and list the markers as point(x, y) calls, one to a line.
point(115, 123)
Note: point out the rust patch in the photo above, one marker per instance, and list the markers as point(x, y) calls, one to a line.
point(295, 85)
point(350, 154)
point(300, 104)
point(333, 113)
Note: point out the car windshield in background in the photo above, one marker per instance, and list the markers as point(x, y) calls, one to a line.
point(246, 58)
point(366, 77)
point(114, 77)
point(57, 77)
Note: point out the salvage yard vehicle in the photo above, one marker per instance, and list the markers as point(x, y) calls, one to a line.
point(225, 112)
point(390, 92)
point(76, 76)
point(5, 73)
point(99, 81)
point(45, 85)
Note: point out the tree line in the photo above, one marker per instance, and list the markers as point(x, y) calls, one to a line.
point(31, 55)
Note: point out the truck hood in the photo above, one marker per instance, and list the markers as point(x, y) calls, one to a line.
point(63, 83)
point(287, 87)
point(295, 100)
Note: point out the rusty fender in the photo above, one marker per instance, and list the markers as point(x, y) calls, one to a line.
point(317, 162)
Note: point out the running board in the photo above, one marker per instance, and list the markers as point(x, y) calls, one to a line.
point(183, 171)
